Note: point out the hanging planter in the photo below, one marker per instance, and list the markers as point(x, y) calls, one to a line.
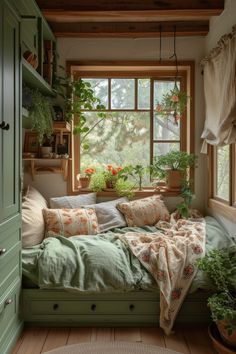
point(173, 104)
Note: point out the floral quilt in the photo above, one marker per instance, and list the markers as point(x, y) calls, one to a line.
point(170, 255)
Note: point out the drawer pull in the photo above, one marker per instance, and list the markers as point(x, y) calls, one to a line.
point(2, 251)
point(93, 307)
point(131, 307)
point(8, 302)
point(55, 307)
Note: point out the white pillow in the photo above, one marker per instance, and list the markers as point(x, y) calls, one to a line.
point(32, 217)
point(72, 201)
point(108, 215)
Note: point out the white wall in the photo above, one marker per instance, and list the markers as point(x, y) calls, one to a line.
point(188, 48)
point(218, 27)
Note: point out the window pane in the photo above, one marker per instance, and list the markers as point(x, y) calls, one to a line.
point(122, 138)
point(165, 129)
point(143, 93)
point(161, 88)
point(100, 88)
point(122, 93)
point(164, 148)
point(222, 172)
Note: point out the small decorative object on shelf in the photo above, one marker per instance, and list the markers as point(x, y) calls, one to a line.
point(58, 114)
point(31, 58)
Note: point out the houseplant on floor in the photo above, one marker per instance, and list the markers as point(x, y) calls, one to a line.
point(220, 268)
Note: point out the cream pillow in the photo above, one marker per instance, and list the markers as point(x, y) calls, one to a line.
point(70, 222)
point(32, 217)
point(146, 211)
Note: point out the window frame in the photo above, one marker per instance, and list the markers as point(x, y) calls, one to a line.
point(217, 204)
point(154, 70)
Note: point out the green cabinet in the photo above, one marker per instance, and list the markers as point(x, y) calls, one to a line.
point(10, 167)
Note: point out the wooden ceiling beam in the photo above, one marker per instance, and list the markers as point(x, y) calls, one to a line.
point(126, 5)
point(126, 29)
point(129, 16)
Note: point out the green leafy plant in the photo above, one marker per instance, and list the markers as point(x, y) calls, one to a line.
point(97, 181)
point(136, 171)
point(41, 115)
point(174, 160)
point(78, 96)
point(187, 195)
point(220, 268)
point(124, 188)
point(173, 104)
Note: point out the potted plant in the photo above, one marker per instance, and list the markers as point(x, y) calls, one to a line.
point(85, 176)
point(173, 104)
point(174, 167)
point(41, 115)
point(220, 268)
point(111, 175)
point(97, 181)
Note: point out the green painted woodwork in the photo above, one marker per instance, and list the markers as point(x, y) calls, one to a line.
point(10, 167)
point(10, 322)
point(55, 307)
point(29, 34)
point(11, 114)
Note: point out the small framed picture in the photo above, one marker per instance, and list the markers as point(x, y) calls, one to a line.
point(31, 142)
point(58, 114)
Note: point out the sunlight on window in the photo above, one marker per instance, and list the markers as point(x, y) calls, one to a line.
point(122, 138)
point(222, 172)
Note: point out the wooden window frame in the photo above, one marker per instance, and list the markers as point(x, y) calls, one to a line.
point(218, 205)
point(137, 69)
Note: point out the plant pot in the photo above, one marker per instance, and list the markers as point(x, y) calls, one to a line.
point(110, 184)
point(229, 340)
point(45, 151)
point(218, 344)
point(174, 179)
point(84, 182)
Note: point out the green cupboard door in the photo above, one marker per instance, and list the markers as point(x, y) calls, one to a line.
point(10, 115)
point(1, 71)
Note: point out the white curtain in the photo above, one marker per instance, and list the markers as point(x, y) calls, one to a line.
point(220, 93)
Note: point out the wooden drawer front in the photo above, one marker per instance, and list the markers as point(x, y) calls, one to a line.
point(9, 264)
point(8, 308)
point(40, 307)
point(10, 234)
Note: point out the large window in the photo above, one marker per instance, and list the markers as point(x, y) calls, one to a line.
point(133, 131)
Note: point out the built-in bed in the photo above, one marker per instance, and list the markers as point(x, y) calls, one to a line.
point(96, 280)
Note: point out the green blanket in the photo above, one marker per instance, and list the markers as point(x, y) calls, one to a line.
point(101, 263)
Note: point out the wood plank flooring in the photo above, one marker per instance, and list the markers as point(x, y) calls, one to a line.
point(186, 339)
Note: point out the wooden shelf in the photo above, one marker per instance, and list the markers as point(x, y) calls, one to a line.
point(32, 78)
point(61, 126)
point(36, 168)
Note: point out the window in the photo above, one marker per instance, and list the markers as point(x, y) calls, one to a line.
point(222, 180)
point(133, 132)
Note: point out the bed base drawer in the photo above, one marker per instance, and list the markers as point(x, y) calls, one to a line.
point(54, 307)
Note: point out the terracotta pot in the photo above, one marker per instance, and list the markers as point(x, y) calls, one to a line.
point(84, 182)
point(230, 340)
point(218, 344)
point(174, 179)
point(110, 184)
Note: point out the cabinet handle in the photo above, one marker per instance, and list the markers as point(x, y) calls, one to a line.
point(8, 302)
point(55, 307)
point(93, 307)
point(2, 251)
point(131, 307)
point(4, 126)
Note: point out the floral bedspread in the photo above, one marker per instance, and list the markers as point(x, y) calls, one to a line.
point(170, 256)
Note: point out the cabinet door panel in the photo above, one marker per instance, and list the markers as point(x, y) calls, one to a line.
point(11, 116)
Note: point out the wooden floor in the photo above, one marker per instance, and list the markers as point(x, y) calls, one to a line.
point(186, 339)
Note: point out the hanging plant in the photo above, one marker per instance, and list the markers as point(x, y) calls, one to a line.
point(173, 104)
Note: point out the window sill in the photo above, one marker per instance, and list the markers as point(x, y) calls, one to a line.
point(229, 212)
point(138, 194)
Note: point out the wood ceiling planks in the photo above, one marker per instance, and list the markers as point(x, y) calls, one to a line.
point(129, 18)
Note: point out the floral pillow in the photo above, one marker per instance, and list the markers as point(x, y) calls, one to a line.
point(70, 222)
point(146, 211)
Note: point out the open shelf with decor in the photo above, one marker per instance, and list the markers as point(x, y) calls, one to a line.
point(37, 166)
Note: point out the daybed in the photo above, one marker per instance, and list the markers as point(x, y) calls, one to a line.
point(97, 280)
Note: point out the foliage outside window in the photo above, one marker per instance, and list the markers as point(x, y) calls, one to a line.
point(222, 180)
point(132, 131)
